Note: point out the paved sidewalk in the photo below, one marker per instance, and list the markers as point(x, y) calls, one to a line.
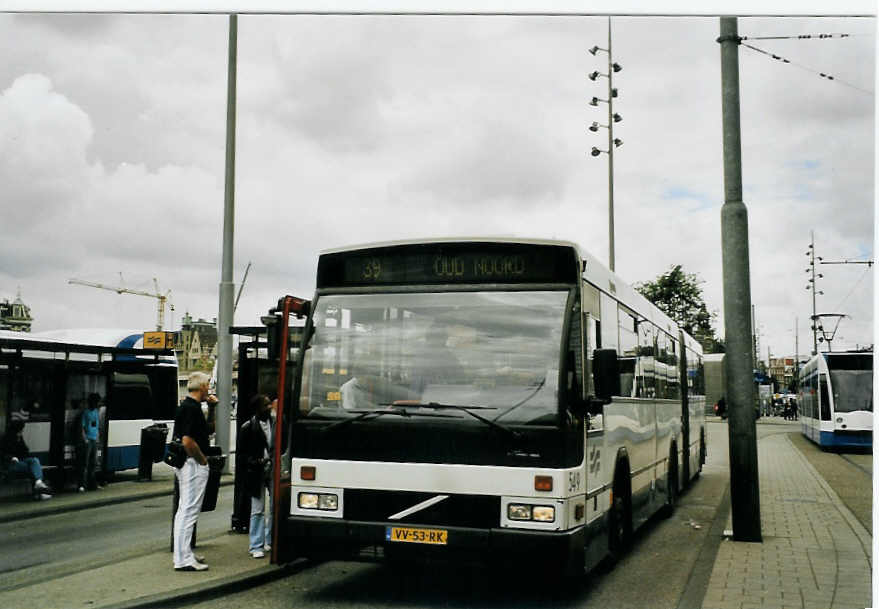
point(150, 580)
point(814, 555)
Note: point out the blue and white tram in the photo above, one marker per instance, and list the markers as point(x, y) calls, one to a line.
point(836, 399)
point(46, 378)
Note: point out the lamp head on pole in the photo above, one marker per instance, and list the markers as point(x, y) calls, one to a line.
point(616, 67)
point(594, 75)
point(593, 127)
point(595, 151)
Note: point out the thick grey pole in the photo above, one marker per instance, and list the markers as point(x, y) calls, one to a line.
point(814, 290)
point(610, 227)
point(744, 484)
point(227, 287)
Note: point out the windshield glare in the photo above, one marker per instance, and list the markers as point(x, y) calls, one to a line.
point(498, 350)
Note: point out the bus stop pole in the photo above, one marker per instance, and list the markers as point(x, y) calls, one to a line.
point(279, 422)
point(744, 483)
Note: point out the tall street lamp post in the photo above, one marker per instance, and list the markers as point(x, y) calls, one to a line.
point(612, 142)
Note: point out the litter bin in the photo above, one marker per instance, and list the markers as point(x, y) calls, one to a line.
point(152, 449)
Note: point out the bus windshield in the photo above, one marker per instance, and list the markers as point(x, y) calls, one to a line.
point(495, 350)
point(852, 390)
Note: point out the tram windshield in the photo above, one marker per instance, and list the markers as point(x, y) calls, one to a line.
point(498, 351)
point(852, 390)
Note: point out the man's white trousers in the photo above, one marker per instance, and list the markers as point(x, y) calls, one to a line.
point(192, 478)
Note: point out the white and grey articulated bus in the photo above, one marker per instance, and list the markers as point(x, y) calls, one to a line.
point(495, 399)
point(836, 399)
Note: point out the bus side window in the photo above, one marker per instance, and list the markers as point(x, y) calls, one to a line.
point(646, 360)
point(628, 351)
point(131, 397)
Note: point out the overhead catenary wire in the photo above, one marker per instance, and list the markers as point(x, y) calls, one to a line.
point(807, 69)
point(797, 37)
point(851, 291)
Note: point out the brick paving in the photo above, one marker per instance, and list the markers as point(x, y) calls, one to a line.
point(814, 554)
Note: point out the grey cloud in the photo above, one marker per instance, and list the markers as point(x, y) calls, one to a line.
point(498, 162)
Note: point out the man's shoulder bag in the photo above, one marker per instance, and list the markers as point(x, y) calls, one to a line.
point(175, 456)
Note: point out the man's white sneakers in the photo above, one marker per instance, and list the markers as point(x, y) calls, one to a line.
point(258, 554)
point(39, 485)
point(198, 566)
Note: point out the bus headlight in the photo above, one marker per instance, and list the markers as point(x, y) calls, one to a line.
point(318, 501)
point(543, 513)
point(327, 502)
point(518, 512)
point(538, 513)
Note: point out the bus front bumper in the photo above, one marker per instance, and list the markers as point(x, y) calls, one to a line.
point(337, 538)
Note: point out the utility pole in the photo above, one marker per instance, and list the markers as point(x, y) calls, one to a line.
point(744, 478)
point(814, 287)
point(227, 286)
point(610, 227)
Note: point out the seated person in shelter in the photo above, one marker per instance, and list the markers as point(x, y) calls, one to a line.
point(15, 457)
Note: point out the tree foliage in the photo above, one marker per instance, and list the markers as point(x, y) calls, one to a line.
point(679, 295)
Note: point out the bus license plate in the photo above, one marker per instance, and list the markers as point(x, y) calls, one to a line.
point(410, 535)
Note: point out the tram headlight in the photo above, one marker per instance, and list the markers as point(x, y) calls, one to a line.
point(319, 501)
point(518, 512)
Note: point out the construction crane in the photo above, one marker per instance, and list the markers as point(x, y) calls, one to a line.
point(162, 298)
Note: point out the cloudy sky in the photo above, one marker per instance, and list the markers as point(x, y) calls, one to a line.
point(356, 129)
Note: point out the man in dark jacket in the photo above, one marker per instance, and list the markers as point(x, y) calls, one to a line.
point(16, 458)
point(256, 441)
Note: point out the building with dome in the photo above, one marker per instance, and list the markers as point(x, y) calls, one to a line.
point(15, 315)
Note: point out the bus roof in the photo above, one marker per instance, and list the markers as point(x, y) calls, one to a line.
point(83, 339)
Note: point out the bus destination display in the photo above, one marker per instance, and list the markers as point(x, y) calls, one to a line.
point(491, 263)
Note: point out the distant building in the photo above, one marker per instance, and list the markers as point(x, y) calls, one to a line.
point(196, 344)
point(782, 370)
point(15, 315)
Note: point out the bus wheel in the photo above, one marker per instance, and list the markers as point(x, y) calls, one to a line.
point(619, 521)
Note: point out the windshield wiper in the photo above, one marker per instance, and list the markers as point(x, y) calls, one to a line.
point(365, 414)
point(537, 389)
point(469, 410)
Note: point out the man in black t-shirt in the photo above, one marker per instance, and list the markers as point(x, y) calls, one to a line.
point(192, 429)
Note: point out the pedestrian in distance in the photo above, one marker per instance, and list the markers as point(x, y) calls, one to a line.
point(89, 443)
point(720, 408)
point(192, 428)
point(16, 458)
point(256, 441)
